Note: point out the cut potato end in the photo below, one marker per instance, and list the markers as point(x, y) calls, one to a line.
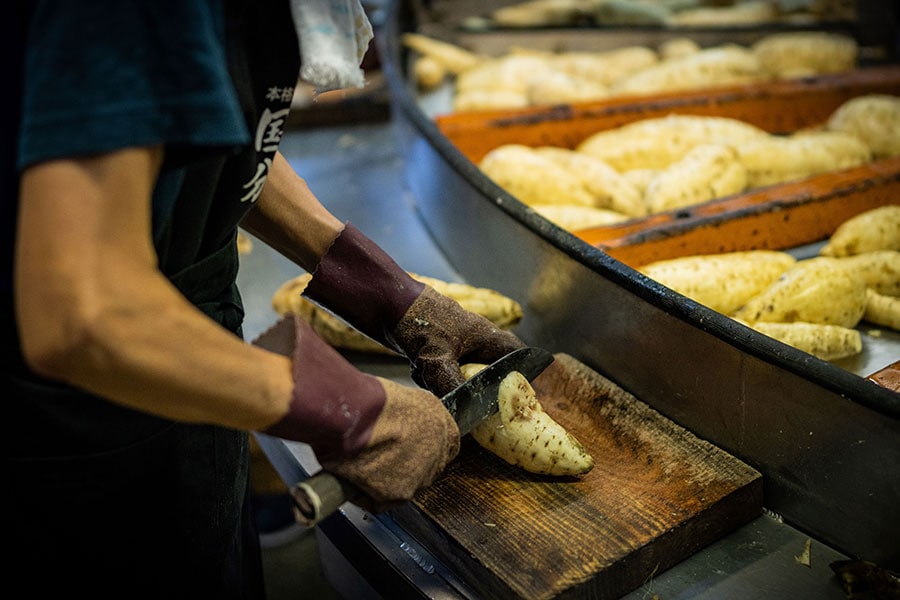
point(523, 435)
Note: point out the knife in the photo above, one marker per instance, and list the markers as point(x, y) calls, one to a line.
point(471, 403)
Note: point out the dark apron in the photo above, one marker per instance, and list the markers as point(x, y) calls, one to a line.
point(124, 504)
point(117, 503)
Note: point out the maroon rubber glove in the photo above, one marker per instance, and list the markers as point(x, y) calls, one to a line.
point(359, 282)
point(388, 439)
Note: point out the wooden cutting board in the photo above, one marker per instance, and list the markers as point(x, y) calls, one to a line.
point(656, 495)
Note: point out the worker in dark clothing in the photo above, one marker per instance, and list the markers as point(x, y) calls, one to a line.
point(142, 134)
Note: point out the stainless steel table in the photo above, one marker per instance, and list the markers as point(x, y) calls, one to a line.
point(357, 172)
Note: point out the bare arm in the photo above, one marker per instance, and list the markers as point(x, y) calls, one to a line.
point(290, 218)
point(94, 310)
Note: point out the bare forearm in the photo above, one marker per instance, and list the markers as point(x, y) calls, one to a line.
point(290, 218)
point(145, 347)
point(93, 309)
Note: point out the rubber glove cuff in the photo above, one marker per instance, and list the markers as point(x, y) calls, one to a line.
point(334, 405)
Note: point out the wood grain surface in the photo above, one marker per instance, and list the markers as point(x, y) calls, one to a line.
point(656, 495)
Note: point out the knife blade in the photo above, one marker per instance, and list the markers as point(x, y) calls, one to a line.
point(471, 403)
point(476, 399)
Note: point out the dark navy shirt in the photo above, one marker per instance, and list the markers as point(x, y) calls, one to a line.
point(209, 80)
point(159, 507)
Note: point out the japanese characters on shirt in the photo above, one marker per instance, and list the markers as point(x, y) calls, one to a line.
point(269, 131)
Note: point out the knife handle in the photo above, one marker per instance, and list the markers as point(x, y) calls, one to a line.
point(320, 495)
